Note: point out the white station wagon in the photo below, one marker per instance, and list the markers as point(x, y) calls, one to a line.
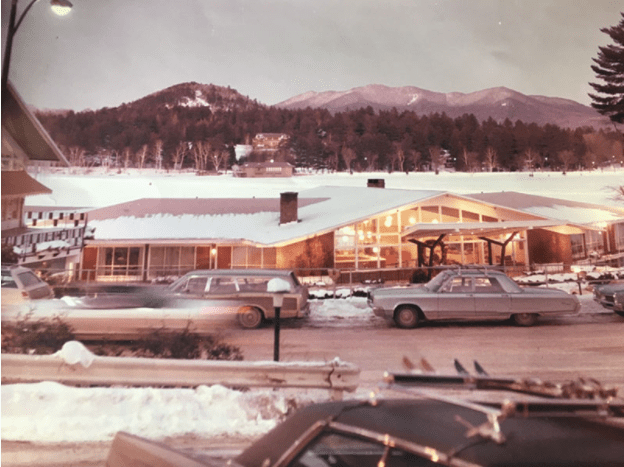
point(469, 294)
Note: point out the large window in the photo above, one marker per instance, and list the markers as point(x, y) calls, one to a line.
point(120, 261)
point(171, 260)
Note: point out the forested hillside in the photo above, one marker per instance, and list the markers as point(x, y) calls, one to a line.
point(197, 125)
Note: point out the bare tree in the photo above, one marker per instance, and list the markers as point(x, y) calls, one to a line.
point(77, 156)
point(398, 156)
point(469, 158)
point(566, 157)
point(415, 157)
point(438, 158)
point(218, 156)
point(126, 157)
point(617, 193)
point(491, 158)
point(348, 155)
point(141, 156)
point(530, 159)
point(201, 153)
point(179, 154)
point(158, 153)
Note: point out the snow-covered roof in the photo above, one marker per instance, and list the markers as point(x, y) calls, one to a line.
point(570, 212)
point(321, 209)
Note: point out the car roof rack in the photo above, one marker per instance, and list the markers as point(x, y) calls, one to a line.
point(584, 396)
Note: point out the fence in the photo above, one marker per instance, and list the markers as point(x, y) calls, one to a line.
point(336, 377)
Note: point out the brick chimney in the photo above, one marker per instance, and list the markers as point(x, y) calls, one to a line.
point(288, 207)
point(376, 183)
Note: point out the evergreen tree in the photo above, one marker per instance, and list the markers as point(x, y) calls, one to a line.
point(609, 68)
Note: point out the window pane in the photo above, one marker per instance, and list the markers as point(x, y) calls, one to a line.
point(28, 279)
point(157, 256)
point(187, 257)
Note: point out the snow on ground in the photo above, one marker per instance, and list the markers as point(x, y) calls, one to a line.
point(100, 188)
point(51, 412)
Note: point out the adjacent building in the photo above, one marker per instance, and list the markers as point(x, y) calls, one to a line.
point(38, 237)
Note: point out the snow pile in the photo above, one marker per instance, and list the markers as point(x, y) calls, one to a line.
point(52, 412)
point(74, 352)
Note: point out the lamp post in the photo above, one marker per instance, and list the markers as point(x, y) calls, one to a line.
point(278, 287)
point(60, 7)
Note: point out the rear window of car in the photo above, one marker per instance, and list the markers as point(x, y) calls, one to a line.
point(8, 281)
point(28, 279)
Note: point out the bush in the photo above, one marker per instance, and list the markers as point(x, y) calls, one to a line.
point(163, 343)
point(47, 336)
point(40, 337)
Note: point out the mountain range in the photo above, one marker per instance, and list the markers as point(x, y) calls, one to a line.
point(498, 103)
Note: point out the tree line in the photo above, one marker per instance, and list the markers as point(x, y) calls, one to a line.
point(357, 140)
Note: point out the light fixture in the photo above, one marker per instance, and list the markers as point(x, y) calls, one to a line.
point(61, 7)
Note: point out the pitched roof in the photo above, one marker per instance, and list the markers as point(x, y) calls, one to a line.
point(23, 128)
point(553, 208)
point(254, 220)
point(19, 183)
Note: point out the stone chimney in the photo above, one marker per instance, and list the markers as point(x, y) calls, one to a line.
point(288, 207)
point(376, 183)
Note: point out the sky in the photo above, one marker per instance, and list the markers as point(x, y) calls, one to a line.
point(105, 53)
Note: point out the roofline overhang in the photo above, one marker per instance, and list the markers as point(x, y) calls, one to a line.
point(475, 228)
point(38, 127)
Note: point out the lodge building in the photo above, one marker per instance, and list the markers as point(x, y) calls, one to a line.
point(346, 228)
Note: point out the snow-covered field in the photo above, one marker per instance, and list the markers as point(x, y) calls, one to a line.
point(50, 412)
point(100, 189)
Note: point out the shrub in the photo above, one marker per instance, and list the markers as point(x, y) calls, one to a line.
point(163, 343)
point(39, 337)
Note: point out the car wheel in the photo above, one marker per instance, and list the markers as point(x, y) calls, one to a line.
point(406, 317)
point(621, 313)
point(525, 319)
point(249, 317)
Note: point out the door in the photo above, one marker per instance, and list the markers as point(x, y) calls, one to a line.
point(455, 299)
point(491, 301)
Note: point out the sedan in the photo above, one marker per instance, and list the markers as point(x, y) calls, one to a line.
point(605, 295)
point(470, 294)
point(20, 284)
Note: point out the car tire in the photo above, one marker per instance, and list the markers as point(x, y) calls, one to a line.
point(621, 313)
point(525, 319)
point(406, 317)
point(250, 317)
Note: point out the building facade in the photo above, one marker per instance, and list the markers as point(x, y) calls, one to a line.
point(328, 227)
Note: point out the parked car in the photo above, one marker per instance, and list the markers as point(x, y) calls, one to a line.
point(605, 295)
point(200, 301)
point(20, 284)
point(425, 431)
point(469, 294)
point(618, 302)
point(247, 288)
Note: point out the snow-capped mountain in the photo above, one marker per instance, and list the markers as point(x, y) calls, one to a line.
point(498, 103)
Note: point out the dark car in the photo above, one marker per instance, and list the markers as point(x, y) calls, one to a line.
point(605, 295)
point(576, 425)
point(618, 302)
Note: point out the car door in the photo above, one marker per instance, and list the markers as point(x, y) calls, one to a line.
point(455, 299)
point(491, 301)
